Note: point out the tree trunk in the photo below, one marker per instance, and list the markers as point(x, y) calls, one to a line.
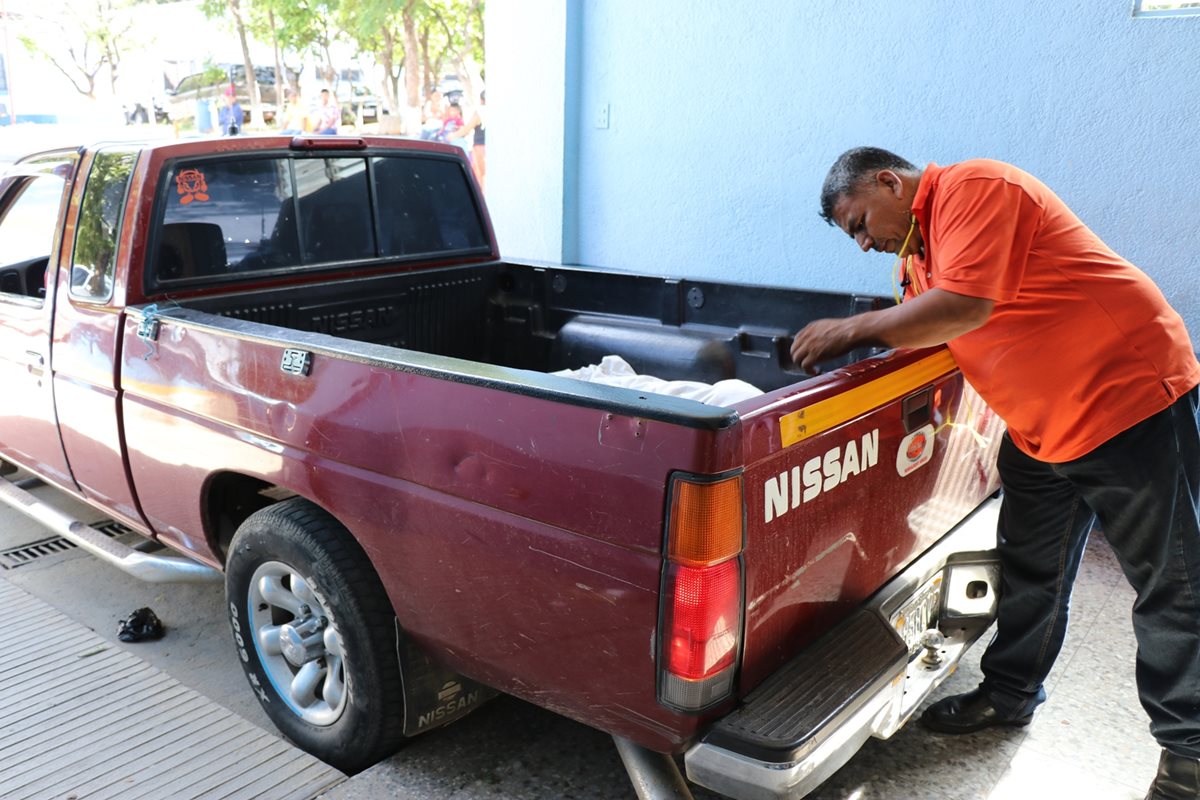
point(114, 61)
point(391, 81)
point(329, 70)
point(280, 79)
point(467, 69)
point(412, 69)
point(429, 77)
point(256, 114)
point(88, 88)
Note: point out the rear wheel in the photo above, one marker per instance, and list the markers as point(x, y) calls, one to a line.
point(316, 634)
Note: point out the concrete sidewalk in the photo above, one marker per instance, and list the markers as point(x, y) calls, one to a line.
point(80, 718)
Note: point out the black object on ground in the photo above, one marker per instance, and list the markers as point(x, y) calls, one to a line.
point(139, 626)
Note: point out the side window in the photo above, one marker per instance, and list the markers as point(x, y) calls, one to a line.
point(27, 231)
point(335, 214)
point(99, 226)
point(227, 216)
point(425, 206)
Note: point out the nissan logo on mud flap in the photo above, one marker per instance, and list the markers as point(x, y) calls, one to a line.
point(451, 700)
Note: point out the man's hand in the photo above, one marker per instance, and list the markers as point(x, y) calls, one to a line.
point(933, 317)
point(822, 340)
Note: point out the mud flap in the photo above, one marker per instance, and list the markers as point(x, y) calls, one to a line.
point(433, 695)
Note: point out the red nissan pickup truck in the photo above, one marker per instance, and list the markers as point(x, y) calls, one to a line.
point(302, 364)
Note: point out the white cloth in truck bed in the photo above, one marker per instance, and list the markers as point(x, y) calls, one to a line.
point(615, 371)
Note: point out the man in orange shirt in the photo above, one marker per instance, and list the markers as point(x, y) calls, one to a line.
point(1096, 377)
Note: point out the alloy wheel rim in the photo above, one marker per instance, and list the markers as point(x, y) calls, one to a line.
point(297, 643)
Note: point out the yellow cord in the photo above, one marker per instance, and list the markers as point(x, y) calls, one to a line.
point(901, 266)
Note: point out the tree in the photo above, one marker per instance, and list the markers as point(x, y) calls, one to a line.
point(411, 40)
point(377, 27)
point(264, 19)
point(307, 26)
point(218, 9)
point(80, 41)
point(461, 22)
point(297, 27)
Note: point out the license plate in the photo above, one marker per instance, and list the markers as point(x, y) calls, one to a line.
point(919, 614)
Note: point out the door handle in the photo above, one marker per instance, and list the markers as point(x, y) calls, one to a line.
point(35, 362)
point(917, 409)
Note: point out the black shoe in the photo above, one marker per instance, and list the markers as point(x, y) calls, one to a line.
point(967, 713)
point(1178, 778)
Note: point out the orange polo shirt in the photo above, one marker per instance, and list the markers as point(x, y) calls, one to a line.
point(1081, 344)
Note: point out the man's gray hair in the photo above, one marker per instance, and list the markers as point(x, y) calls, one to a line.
point(852, 169)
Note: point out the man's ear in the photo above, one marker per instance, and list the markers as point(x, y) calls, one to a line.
point(886, 179)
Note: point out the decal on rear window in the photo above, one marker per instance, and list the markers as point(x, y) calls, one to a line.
point(191, 185)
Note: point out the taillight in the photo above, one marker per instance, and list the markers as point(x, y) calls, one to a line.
point(701, 621)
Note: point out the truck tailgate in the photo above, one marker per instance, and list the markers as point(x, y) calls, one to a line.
point(848, 479)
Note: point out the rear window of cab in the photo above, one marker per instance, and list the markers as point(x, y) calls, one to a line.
point(251, 216)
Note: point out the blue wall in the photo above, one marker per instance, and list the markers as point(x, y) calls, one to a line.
point(725, 116)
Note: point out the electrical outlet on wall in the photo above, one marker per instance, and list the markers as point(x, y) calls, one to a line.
point(602, 116)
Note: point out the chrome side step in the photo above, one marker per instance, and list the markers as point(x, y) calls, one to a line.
point(151, 568)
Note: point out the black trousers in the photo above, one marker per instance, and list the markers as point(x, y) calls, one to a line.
point(1143, 486)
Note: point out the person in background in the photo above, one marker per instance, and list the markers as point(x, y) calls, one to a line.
point(431, 114)
point(294, 119)
point(477, 125)
point(1094, 373)
point(328, 116)
point(432, 110)
point(229, 118)
point(451, 124)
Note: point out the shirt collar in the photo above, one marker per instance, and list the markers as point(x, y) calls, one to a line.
point(923, 198)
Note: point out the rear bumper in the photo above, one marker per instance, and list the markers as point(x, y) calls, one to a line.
point(857, 681)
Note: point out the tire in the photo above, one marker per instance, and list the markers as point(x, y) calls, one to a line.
point(316, 634)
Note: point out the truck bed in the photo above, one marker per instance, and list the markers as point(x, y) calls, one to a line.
point(551, 318)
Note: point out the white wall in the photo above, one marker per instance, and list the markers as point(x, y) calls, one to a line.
point(527, 102)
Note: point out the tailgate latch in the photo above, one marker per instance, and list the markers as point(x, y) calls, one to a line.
point(296, 362)
point(147, 329)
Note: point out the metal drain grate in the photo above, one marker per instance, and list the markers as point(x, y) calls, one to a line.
point(28, 553)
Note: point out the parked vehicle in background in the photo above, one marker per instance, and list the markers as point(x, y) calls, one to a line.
point(355, 94)
point(208, 85)
point(136, 113)
point(358, 100)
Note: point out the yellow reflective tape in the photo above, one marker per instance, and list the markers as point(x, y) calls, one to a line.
point(821, 416)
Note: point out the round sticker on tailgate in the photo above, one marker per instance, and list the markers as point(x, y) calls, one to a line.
point(915, 451)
